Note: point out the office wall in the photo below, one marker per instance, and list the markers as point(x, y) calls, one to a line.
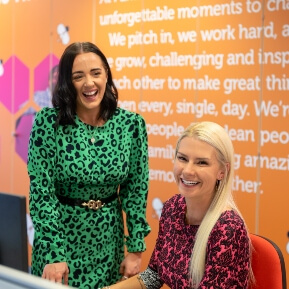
point(174, 62)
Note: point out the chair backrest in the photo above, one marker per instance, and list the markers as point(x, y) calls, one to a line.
point(268, 264)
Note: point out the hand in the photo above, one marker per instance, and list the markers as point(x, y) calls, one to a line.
point(56, 272)
point(130, 266)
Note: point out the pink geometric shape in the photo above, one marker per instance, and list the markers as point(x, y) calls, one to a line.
point(42, 70)
point(23, 128)
point(14, 84)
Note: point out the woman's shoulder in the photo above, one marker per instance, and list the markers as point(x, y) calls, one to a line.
point(173, 212)
point(231, 216)
point(128, 119)
point(124, 113)
point(47, 115)
point(47, 112)
point(229, 232)
point(230, 220)
point(175, 202)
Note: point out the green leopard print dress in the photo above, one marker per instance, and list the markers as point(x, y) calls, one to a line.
point(65, 162)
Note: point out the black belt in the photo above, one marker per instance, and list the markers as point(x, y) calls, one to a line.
point(91, 204)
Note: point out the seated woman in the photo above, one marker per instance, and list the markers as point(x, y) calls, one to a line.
point(203, 240)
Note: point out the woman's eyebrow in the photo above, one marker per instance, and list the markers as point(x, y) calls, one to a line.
point(75, 72)
point(80, 71)
point(94, 69)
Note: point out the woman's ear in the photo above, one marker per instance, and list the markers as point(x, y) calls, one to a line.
point(224, 171)
point(220, 175)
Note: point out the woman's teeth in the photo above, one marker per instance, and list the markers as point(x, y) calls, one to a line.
point(189, 183)
point(90, 93)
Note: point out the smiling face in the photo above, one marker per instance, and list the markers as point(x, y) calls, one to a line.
point(89, 78)
point(196, 170)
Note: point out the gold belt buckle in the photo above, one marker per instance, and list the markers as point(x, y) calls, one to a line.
point(93, 205)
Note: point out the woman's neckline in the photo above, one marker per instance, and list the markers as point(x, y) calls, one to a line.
point(102, 123)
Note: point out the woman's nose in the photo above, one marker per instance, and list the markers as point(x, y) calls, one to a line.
point(89, 81)
point(189, 168)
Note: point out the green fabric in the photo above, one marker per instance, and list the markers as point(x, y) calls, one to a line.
point(66, 162)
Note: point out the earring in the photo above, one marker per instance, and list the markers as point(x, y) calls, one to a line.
point(217, 184)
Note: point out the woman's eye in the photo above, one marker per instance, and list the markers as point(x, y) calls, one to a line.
point(203, 163)
point(180, 158)
point(76, 77)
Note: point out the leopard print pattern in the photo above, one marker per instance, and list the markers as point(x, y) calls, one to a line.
point(227, 261)
point(65, 162)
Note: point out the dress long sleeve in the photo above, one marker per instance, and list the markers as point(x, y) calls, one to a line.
point(133, 192)
point(43, 203)
point(64, 164)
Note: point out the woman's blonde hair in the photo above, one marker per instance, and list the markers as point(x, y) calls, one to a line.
point(217, 137)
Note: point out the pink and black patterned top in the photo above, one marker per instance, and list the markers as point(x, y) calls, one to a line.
point(227, 262)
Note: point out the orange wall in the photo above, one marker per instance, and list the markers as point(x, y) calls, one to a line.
point(174, 62)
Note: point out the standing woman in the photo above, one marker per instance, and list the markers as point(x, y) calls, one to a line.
point(88, 163)
point(203, 241)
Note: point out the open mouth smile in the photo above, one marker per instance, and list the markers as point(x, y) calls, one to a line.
point(90, 94)
point(188, 183)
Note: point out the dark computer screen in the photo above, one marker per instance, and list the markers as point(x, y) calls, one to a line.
point(13, 232)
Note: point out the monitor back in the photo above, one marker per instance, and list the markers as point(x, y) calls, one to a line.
point(13, 232)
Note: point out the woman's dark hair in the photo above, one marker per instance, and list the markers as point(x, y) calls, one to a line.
point(64, 94)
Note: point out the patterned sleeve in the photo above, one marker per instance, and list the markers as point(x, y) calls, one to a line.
point(133, 192)
point(43, 204)
point(228, 255)
point(151, 279)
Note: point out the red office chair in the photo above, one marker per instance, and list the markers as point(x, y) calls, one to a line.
point(268, 264)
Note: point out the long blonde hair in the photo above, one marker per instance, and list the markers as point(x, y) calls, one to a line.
point(217, 137)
